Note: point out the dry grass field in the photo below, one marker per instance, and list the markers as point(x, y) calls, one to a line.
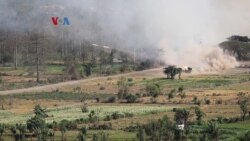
point(63, 100)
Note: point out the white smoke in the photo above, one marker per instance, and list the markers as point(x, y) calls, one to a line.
point(187, 30)
point(201, 58)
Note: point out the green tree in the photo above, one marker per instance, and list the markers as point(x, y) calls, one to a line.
point(153, 90)
point(51, 135)
point(37, 126)
point(199, 115)
point(21, 130)
point(13, 131)
point(2, 129)
point(40, 112)
point(181, 116)
point(92, 116)
point(88, 69)
point(141, 134)
point(63, 129)
point(82, 135)
point(100, 137)
point(243, 103)
point(172, 71)
point(131, 98)
point(246, 137)
point(213, 131)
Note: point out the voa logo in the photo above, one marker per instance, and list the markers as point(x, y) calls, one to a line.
point(60, 21)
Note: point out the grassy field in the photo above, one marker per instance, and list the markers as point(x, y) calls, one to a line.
point(221, 89)
point(25, 77)
point(74, 112)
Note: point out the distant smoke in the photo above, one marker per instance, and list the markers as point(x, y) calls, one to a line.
point(200, 58)
point(187, 30)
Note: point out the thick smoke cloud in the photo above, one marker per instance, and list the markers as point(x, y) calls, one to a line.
point(188, 31)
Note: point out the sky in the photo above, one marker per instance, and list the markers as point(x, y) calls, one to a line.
point(179, 27)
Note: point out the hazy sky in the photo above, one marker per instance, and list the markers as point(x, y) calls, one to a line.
point(168, 24)
point(179, 21)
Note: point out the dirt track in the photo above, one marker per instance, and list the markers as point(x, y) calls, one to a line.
point(157, 72)
point(52, 87)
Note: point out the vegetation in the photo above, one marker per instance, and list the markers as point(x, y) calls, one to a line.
point(123, 88)
point(153, 90)
point(243, 103)
point(238, 45)
point(172, 71)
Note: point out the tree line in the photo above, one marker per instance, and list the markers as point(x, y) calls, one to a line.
point(35, 50)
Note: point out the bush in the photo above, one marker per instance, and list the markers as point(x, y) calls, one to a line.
point(138, 95)
point(92, 117)
point(246, 137)
point(116, 115)
point(207, 101)
point(107, 118)
point(182, 95)
point(130, 79)
point(85, 108)
point(181, 89)
point(105, 126)
point(170, 95)
point(131, 98)
point(111, 99)
point(153, 90)
point(219, 101)
point(129, 115)
point(123, 88)
point(72, 125)
point(102, 88)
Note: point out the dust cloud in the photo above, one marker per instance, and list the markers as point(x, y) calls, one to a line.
point(183, 32)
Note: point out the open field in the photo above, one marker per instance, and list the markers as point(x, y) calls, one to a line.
point(64, 101)
point(74, 112)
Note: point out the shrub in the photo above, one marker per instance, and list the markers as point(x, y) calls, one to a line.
point(219, 101)
point(85, 108)
point(131, 98)
point(207, 101)
point(77, 89)
point(170, 95)
point(138, 95)
point(181, 116)
point(130, 79)
point(105, 126)
point(72, 125)
point(182, 95)
point(116, 115)
point(246, 137)
point(92, 117)
point(174, 109)
point(111, 99)
point(181, 89)
point(153, 90)
point(196, 101)
point(123, 88)
point(107, 118)
point(128, 114)
point(97, 99)
point(102, 88)
point(219, 120)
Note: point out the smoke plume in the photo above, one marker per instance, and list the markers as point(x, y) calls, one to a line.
point(188, 31)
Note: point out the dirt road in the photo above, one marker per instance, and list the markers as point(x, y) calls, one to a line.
point(52, 87)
